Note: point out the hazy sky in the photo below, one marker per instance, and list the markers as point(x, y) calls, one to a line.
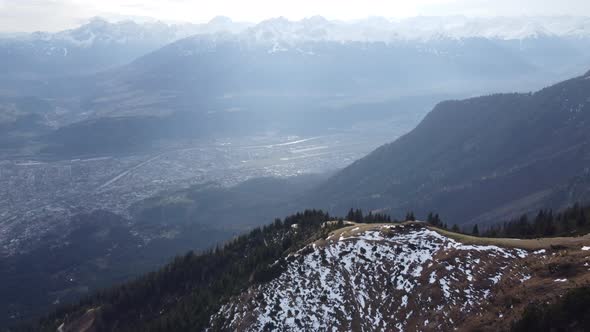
point(52, 15)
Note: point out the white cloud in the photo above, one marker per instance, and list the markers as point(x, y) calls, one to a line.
point(30, 15)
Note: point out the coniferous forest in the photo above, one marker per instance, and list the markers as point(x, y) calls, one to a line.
point(159, 302)
point(569, 222)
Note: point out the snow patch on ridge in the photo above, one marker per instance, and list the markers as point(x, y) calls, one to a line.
point(379, 278)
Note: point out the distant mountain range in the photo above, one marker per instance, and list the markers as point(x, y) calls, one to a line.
point(220, 72)
point(92, 47)
point(225, 79)
point(380, 29)
point(479, 160)
point(223, 73)
point(99, 44)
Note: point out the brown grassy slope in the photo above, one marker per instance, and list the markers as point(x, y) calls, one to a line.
point(551, 276)
point(562, 267)
point(527, 244)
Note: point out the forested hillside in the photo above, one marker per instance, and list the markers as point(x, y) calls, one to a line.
point(185, 293)
point(573, 221)
point(479, 160)
point(188, 293)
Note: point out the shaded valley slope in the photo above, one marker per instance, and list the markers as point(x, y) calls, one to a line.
point(478, 160)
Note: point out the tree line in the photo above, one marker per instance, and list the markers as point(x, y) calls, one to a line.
point(183, 295)
point(571, 221)
point(358, 216)
point(546, 223)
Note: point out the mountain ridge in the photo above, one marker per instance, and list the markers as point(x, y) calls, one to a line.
point(454, 154)
point(375, 28)
point(359, 289)
point(393, 269)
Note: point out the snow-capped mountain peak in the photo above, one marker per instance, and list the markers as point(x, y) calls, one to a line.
point(99, 30)
point(318, 28)
point(380, 29)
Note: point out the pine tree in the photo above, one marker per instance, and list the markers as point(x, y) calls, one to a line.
point(437, 220)
point(350, 215)
point(358, 216)
point(278, 222)
point(549, 228)
point(581, 221)
point(565, 225)
point(475, 230)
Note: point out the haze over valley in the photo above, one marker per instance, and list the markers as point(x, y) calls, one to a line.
point(125, 143)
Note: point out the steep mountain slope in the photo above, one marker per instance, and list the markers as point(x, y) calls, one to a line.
point(23, 119)
point(480, 159)
point(219, 72)
point(391, 277)
point(304, 274)
point(183, 294)
point(404, 277)
point(93, 251)
point(50, 261)
point(570, 311)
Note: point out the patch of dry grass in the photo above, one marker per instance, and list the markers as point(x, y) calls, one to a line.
point(528, 244)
